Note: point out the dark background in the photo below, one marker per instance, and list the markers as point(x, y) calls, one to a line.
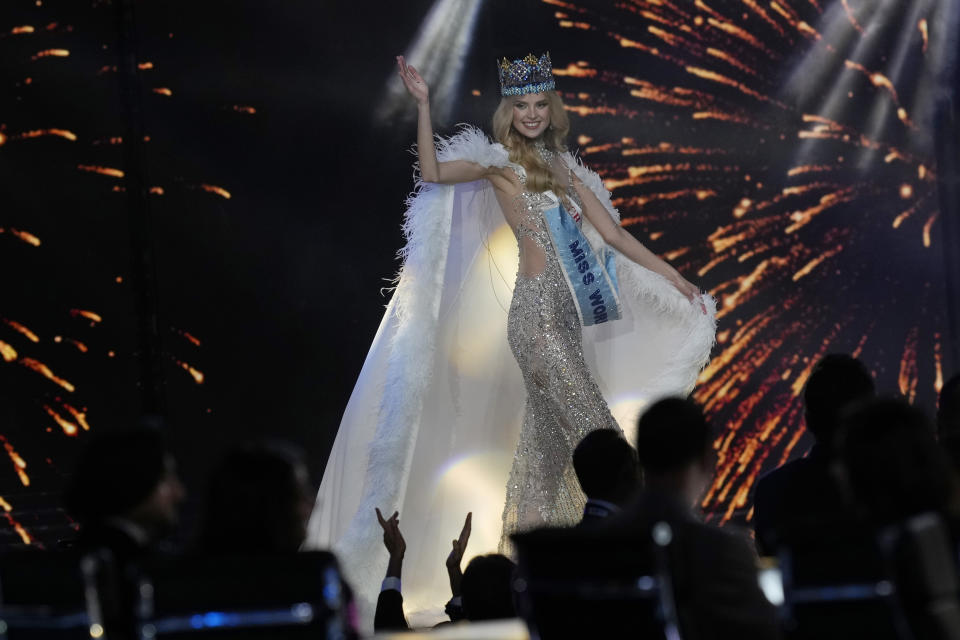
point(280, 283)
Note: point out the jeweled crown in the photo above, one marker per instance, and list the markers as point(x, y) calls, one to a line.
point(526, 75)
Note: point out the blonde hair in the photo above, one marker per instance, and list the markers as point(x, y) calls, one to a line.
point(522, 150)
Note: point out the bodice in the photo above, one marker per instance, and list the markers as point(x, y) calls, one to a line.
point(531, 205)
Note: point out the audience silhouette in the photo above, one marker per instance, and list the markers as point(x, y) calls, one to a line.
point(125, 492)
point(488, 589)
point(713, 570)
point(892, 464)
point(608, 470)
point(803, 494)
point(258, 501)
point(881, 478)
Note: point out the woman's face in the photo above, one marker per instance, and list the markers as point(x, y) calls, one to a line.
point(531, 114)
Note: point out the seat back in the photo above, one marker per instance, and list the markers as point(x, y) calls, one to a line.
point(50, 595)
point(583, 583)
point(923, 558)
point(256, 596)
point(896, 584)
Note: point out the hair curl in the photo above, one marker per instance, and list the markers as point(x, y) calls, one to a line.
point(521, 148)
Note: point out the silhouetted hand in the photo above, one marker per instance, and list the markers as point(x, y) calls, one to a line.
point(393, 541)
point(456, 556)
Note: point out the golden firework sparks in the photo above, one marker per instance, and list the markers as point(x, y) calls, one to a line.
point(565, 5)
point(810, 266)
point(22, 329)
point(937, 364)
point(220, 191)
point(197, 375)
point(803, 217)
point(50, 53)
point(927, 226)
point(37, 133)
point(195, 341)
point(44, 370)
point(106, 171)
point(19, 464)
point(8, 353)
point(908, 378)
point(26, 236)
point(79, 416)
point(25, 537)
point(579, 69)
point(68, 427)
point(92, 316)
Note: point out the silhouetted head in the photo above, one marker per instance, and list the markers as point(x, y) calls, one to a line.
point(948, 411)
point(129, 474)
point(836, 381)
point(674, 445)
point(258, 501)
point(487, 588)
point(607, 466)
point(891, 461)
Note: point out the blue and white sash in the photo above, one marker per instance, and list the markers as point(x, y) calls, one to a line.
point(590, 275)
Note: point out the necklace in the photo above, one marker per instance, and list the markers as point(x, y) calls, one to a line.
point(547, 155)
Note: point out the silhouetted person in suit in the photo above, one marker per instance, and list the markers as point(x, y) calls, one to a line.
point(125, 492)
point(892, 465)
point(713, 570)
point(948, 420)
point(901, 483)
point(609, 474)
point(803, 493)
point(126, 495)
point(259, 499)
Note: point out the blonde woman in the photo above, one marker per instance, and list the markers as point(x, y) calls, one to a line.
point(441, 419)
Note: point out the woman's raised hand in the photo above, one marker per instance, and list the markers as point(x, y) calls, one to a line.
point(416, 85)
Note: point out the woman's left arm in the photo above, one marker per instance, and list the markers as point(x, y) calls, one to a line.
point(622, 240)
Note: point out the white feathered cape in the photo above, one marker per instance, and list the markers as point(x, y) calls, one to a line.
point(432, 424)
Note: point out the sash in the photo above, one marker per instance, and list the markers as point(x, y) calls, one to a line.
point(591, 275)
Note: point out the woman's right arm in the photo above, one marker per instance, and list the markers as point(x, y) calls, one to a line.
point(430, 170)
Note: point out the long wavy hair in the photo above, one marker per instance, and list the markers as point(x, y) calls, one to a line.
point(521, 148)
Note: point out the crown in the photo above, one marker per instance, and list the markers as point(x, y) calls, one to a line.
point(526, 75)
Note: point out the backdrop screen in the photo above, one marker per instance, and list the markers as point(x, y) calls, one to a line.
point(781, 154)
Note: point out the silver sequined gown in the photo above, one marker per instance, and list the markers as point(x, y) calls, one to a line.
point(563, 401)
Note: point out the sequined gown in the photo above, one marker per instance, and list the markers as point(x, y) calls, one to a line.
point(563, 401)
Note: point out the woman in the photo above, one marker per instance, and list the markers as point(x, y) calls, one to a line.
point(434, 422)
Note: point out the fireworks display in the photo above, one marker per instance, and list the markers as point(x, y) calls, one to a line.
point(802, 195)
point(67, 367)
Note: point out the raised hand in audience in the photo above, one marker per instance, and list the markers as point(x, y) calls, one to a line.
point(389, 614)
point(393, 541)
point(454, 608)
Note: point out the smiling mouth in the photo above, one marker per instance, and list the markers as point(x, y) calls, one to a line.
point(532, 125)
